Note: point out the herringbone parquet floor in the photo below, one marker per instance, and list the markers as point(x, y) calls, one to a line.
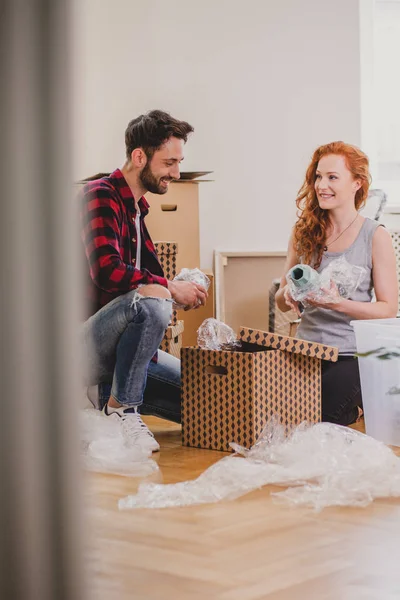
point(248, 549)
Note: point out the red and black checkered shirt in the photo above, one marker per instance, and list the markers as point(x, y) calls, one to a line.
point(109, 236)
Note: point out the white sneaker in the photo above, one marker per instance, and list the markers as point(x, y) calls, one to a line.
point(138, 432)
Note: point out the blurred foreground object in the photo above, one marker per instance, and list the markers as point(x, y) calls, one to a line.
point(39, 500)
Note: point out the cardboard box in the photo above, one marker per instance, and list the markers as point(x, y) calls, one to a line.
point(175, 216)
point(194, 318)
point(167, 252)
point(283, 323)
point(244, 280)
point(294, 325)
point(172, 342)
point(229, 396)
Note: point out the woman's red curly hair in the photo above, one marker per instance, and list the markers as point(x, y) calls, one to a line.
point(310, 228)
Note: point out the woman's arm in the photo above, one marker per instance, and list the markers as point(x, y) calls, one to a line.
point(384, 276)
point(283, 298)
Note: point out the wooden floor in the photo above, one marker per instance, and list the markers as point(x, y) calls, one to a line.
point(248, 549)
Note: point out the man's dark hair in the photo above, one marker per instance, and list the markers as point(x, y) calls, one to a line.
point(152, 130)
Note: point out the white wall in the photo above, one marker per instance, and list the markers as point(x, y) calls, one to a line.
point(263, 82)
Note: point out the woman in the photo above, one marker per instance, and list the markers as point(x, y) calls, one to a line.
point(329, 226)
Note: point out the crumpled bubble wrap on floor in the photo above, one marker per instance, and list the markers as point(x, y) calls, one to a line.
point(319, 465)
point(106, 446)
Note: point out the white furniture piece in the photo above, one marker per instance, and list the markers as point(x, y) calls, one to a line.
point(395, 233)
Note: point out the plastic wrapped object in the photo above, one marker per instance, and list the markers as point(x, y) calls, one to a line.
point(319, 465)
point(338, 280)
point(216, 335)
point(106, 447)
point(193, 275)
point(303, 280)
point(345, 276)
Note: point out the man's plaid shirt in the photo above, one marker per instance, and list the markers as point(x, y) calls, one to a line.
point(108, 233)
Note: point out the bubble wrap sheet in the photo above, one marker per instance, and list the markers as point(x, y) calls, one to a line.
point(106, 446)
point(319, 465)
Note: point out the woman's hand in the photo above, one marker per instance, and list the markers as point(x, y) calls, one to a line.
point(290, 302)
point(328, 298)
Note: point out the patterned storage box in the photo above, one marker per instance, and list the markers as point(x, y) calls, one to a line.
point(167, 252)
point(228, 396)
point(172, 342)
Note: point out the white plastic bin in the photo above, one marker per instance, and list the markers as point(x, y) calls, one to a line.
point(380, 379)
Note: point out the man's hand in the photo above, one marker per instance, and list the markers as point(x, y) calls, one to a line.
point(188, 294)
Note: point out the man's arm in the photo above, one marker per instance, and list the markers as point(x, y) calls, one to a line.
point(101, 220)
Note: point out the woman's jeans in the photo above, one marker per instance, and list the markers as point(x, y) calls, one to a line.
point(120, 340)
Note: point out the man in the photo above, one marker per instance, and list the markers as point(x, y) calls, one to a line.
point(129, 300)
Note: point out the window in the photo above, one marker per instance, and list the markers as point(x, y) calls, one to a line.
point(386, 91)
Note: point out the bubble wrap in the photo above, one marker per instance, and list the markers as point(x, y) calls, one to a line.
point(338, 280)
point(106, 446)
point(319, 465)
point(215, 335)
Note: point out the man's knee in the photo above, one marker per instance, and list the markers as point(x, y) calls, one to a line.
point(155, 291)
point(155, 304)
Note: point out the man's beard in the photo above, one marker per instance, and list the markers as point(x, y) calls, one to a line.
point(151, 183)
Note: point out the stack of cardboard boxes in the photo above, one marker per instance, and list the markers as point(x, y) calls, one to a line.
point(172, 342)
point(174, 218)
point(167, 252)
point(184, 324)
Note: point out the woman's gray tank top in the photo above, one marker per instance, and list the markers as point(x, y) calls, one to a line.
point(330, 327)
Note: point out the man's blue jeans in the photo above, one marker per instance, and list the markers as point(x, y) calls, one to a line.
point(120, 341)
